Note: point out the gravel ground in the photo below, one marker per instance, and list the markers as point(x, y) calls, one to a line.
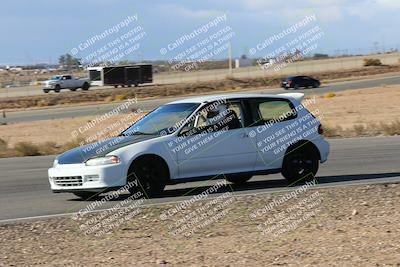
point(341, 226)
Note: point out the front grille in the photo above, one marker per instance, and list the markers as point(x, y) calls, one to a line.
point(68, 181)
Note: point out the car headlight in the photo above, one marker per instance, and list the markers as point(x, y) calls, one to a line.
point(103, 161)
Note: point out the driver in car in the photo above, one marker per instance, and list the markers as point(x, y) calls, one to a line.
point(222, 118)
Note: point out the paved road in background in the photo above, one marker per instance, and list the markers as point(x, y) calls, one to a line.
point(295, 68)
point(25, 192)
point(146, 105)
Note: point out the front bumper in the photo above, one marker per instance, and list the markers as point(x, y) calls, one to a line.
point(79, 177)
point(49, 86)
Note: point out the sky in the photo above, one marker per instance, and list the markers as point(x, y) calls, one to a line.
point(41, 30)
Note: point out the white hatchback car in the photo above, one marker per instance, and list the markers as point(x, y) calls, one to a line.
point(227, 136)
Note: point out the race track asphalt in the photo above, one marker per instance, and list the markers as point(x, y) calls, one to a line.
point(25, 192)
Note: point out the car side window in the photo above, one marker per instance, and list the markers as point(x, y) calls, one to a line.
point(217, 117)
point(68, 77)
point(237, 109)
point(220, 115)
point(272, 110)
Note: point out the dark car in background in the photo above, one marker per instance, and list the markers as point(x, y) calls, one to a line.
point(300, 81)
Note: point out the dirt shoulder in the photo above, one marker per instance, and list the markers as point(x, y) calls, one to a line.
point(354, 113)
point(341, 226)
point(229, 84)
point(361, 112)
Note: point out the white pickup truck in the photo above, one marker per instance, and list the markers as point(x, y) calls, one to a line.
point(59, 82)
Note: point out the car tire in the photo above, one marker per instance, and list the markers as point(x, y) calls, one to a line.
point(85, 195)
point(115, 86)
point(316, 85)
point(301, 163)
point(152, 175)
point(136, 84)
point(57, 88)
point(85, 86)
point(46, 91)
point(238, 180)
point(296, 86)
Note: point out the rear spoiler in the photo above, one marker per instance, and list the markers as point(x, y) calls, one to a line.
point(298, 96)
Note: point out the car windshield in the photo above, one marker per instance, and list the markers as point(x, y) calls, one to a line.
point(163, 120)
point(55, 78)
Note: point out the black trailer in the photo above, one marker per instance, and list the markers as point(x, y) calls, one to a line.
point(146, 73)
point(121, 75)
point(114, 76)
point(133, 76)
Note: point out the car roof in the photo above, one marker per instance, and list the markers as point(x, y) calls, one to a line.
point(211, 98)
point(299, 76)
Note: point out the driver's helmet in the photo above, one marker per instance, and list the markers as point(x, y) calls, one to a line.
point(217, 114)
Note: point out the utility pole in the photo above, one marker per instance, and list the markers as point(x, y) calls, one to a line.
point(230, 57)
point(376, 46)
